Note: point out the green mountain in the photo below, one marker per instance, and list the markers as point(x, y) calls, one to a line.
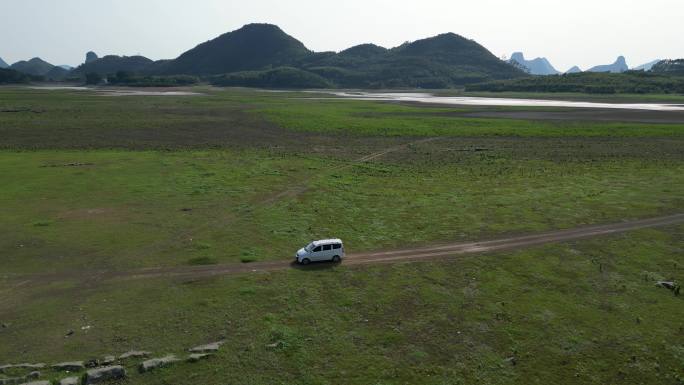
point(671, 67)
point(262, 55)
point(35, 66)
point(448, 58)
point(252, 47)
point(364, 50)
point(443, 61)
point(3, 64)
point(438, 62)
point(112, 64)
point(57, 73)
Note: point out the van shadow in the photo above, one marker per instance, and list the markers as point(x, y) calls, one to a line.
point(315, 266)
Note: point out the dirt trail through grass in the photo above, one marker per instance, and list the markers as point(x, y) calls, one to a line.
point(395, 256)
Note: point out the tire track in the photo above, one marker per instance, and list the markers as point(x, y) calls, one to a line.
point(414, 254)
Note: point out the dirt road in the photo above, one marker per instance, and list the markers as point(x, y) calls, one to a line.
point(416, 254)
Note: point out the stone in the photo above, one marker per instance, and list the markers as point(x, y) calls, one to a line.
point(276, 345)
point(69, 381)
point(37, 383)
point(92, 363)
point(33, 375)
point(208, 348)
point(195, 357)
point(20, 380)
point(156, 363)
point(108, 360)
point(29, 366)
point(667, 285)
point(73, 366)
point(134, 354)
point(96, 376)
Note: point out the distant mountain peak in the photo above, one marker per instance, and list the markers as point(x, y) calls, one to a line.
point(3, 64)
point(112, 64)
point(35, 66)
point(91, 57)
point(259, 27)
point(573, 70)
point(254, 46)
point(536, 66)
point(647, 66)
point(518, 56)
point(364, 50)
point(620, 65)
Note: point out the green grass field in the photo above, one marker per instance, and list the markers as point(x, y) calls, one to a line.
point(91, 184)
point(368, 118)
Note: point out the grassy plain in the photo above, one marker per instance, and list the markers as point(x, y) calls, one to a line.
point(94, 184)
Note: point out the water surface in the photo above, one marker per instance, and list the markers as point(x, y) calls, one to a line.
point(505, 102)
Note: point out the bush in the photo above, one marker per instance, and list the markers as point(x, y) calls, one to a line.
point(129, 79)
point(201, 261)
point(8, 76)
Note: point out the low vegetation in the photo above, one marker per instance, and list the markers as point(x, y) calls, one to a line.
point(95, 185)
point(8, 76)
point(283, 77)
point(368, 118)
point(128, 79)
point(587, 312)
point(632, 82)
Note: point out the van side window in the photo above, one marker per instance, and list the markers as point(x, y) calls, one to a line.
point(337, 246)
point(327, 247)
point(316, 250)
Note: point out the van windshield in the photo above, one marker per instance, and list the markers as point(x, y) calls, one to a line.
point(309, 247)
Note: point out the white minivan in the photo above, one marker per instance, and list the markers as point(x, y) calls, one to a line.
point(323, 250)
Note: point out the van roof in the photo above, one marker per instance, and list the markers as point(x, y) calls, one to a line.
point(326, 242)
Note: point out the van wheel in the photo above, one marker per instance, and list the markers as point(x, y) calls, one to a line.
point(336, 259)
point(306, 261)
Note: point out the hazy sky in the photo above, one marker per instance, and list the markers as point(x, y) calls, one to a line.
point(567, 32)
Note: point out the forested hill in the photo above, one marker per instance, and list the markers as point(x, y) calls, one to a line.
point(253, 47)
point(264, 55)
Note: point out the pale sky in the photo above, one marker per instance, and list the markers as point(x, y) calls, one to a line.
point(567, 32)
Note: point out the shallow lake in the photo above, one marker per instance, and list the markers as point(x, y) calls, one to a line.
point(118, 92)
point(509, 102)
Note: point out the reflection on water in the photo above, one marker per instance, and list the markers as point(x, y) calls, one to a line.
point(147, 93)
point(117, 92)
point(59, 88)
point(476, 101)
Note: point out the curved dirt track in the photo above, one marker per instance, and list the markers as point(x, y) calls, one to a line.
point(415, 254)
